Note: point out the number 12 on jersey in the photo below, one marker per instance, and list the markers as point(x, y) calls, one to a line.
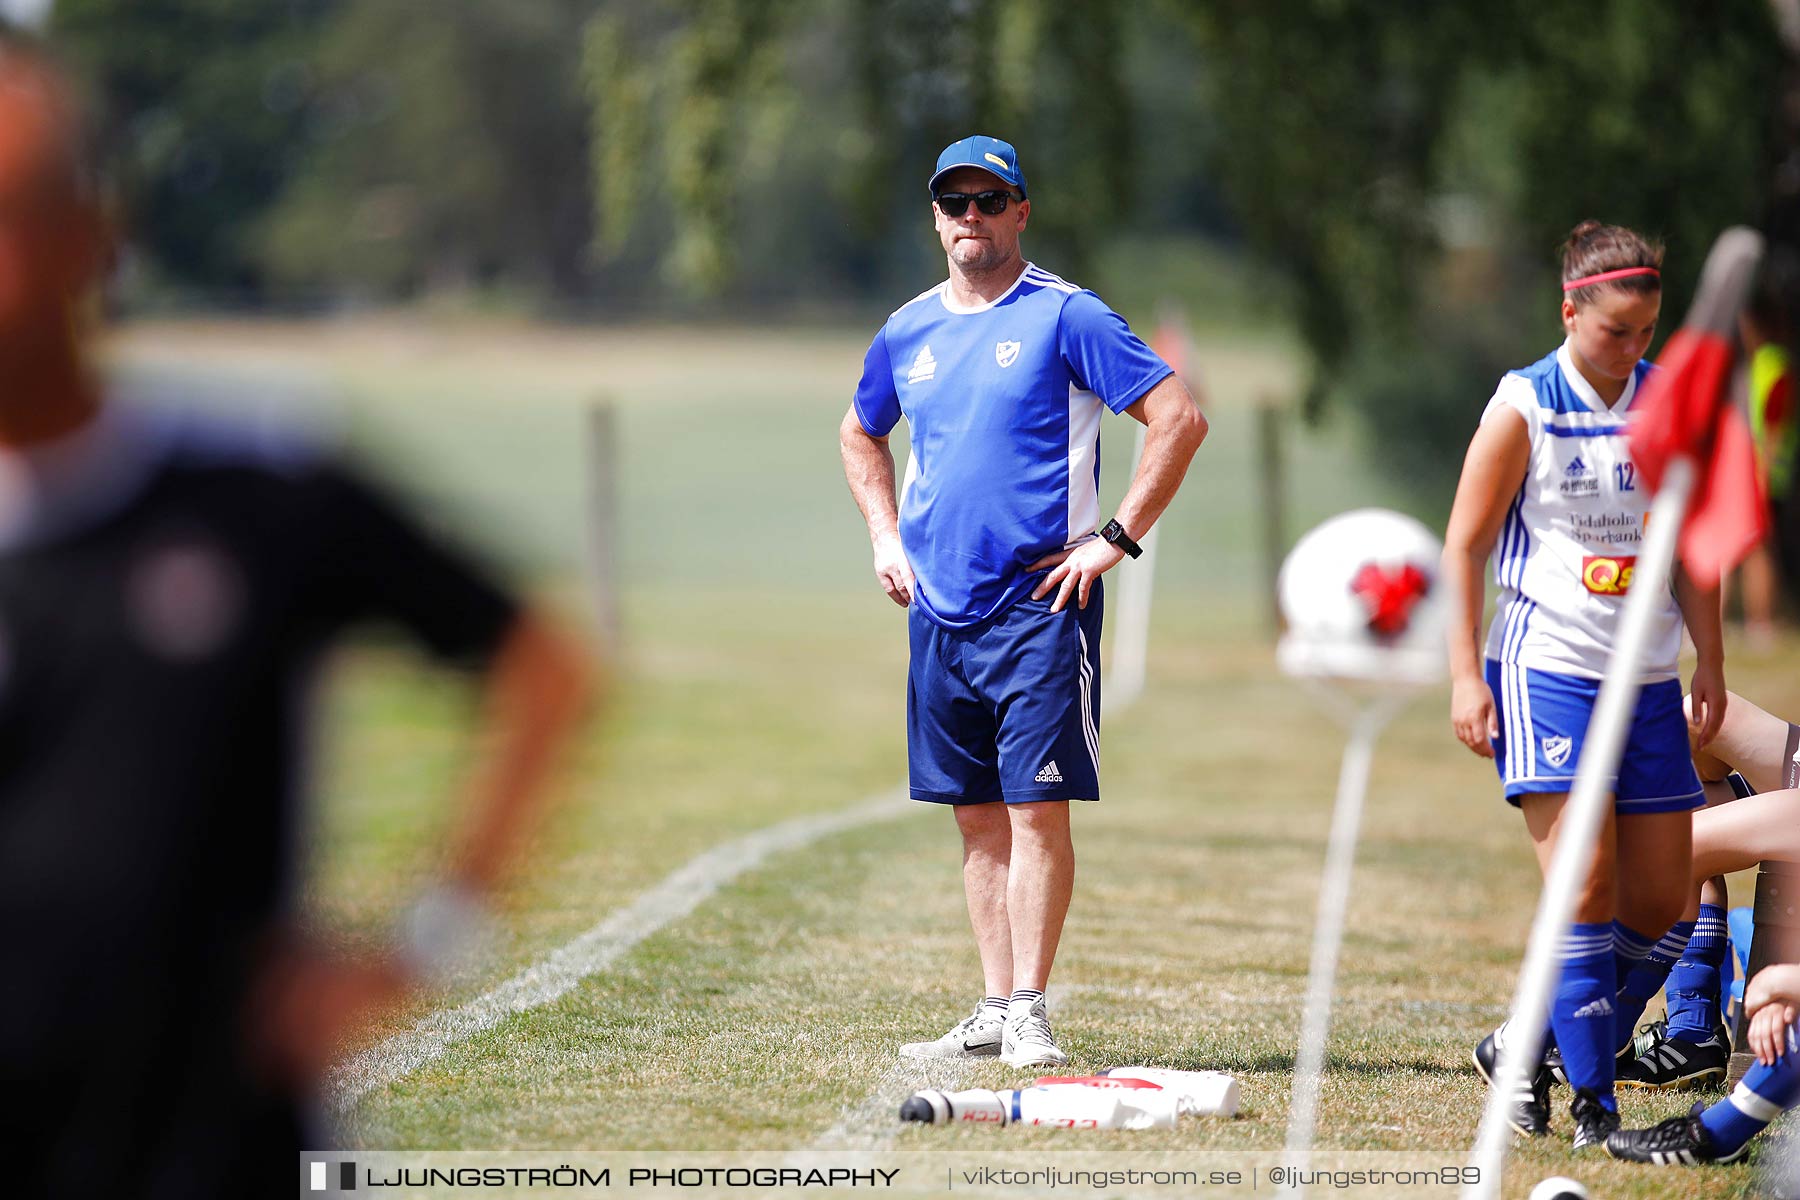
point(1626, 475)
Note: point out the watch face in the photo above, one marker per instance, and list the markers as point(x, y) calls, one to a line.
point(1114, 533)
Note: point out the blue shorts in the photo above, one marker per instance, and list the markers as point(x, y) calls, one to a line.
point(1008, 709)
point(1544, 719)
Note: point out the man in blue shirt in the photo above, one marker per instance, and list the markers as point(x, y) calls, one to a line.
point(1002, 373)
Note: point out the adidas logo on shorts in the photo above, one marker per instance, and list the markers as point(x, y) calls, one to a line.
point(1599, 1008)
point(1050, 774)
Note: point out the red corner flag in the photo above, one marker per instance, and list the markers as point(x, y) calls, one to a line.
point(1685, 410)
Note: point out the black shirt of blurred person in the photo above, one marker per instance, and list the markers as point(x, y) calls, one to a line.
point(167, 585)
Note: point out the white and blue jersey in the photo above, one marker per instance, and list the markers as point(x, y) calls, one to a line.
point(1568, 549)
point(1564, 562)
point(1003, 402)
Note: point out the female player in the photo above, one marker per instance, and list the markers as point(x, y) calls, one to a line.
point(1549, 491)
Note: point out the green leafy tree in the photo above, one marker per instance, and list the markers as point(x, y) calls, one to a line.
point(1413, 171)
point(841, 106)
point(200, 104)
point(449, 151)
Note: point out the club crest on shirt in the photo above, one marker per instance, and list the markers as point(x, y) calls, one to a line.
point(1556, 750)
point(184, 599)
point(1006, 353)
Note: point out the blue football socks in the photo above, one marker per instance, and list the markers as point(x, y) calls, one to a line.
point(1694, 981)
point(1629, 947)
point(1630, 951)
point(1762, 1095)
point(1583, 1010)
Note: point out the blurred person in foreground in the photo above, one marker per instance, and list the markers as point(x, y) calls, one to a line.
point(168, 585)
point(1002, 372)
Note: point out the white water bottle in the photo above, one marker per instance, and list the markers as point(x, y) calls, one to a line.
point(1198, 1093)
point(1058, 1106)
point(976, 1106)
point(1072, 1106)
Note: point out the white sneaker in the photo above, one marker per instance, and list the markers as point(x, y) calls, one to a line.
point(975, 1036)
point(1027, 1041)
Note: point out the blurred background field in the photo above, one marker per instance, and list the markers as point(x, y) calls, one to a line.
point(443, 232)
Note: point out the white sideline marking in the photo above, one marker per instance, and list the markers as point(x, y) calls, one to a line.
point(679, 894)
point(873, 1122)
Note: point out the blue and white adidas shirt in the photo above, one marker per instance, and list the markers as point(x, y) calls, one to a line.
point(1003, 402)
point(1569, 545)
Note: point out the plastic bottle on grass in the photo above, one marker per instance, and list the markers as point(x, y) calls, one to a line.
point(1201, 1093)
point(1059, 1106)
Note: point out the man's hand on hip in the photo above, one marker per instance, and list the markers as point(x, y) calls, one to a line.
point(1075, 571)
point(892, 569)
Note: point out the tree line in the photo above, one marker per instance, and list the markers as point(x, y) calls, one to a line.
point(1400, 174)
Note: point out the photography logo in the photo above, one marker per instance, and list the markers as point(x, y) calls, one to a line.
point(320, 1177)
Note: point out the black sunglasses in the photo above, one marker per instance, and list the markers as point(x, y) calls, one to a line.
point(955, 204)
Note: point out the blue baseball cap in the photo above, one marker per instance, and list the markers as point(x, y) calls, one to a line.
point(992, 155)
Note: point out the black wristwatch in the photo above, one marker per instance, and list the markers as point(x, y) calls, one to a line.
point(1115, 533)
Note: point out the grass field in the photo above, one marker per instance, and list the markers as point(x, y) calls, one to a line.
point(763, 678)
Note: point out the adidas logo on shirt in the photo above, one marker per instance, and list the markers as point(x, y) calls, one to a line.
point(924, 367)
point(1599, 1008)
point(1579, 479)
point(1050, 774)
